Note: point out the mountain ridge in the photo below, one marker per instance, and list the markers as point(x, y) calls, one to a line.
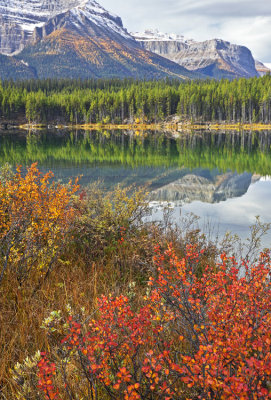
point(214, 58)
point(83, 41)
point(80, 38)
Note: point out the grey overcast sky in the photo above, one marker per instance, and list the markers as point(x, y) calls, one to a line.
point(246, 22)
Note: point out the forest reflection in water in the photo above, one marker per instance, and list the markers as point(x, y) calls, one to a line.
point(222, 176)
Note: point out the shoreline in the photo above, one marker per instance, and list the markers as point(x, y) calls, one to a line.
point(144, 127)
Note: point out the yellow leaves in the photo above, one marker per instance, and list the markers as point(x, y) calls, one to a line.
point(34, 212)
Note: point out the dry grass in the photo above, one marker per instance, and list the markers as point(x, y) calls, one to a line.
point(78, 280)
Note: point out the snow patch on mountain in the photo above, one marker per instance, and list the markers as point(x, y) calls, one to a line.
point(28, 14)
point(155, 35)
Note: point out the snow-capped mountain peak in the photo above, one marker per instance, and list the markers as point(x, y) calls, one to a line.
point(95, 7)
point(94, 12)
point(20, 18)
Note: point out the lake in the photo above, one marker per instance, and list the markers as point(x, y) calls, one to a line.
point(223, 177)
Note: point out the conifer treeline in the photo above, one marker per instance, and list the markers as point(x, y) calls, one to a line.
point(92, 101)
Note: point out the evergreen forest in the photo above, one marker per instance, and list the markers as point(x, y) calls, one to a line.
point(117, 101)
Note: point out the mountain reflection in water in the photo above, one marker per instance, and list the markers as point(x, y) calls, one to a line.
point(198, 187)
point(212, 174)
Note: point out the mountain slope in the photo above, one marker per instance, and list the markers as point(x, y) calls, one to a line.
point(11, 68)
point(261, 68)
point(76, 38)
point(215, 58)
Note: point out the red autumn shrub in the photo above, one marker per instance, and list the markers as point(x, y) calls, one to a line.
point(202, 333)
point(46, 372)
point(222, 316)
point(112, 351)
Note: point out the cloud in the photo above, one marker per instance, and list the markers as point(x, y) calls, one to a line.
point(253, 33)
point(245, 22)
point(225, 8)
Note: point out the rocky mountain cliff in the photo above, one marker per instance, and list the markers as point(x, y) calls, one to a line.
point(74, 38)
point(214, 58)
point(19, 19)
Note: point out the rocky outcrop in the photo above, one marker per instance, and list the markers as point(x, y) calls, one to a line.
point(215, 58)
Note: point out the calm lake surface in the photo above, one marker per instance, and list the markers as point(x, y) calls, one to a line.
point(223, 177)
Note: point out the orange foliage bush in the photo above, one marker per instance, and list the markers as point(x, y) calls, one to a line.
point(34, 216)
point(202, 333)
